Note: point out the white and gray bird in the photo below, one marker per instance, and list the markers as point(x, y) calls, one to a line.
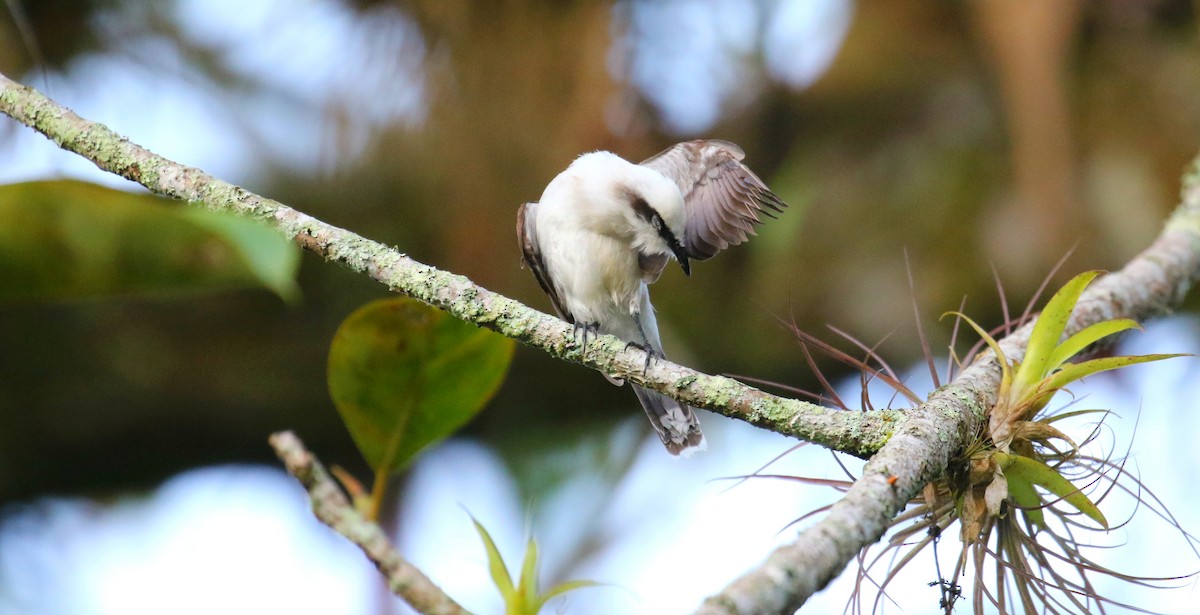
point(605, 228)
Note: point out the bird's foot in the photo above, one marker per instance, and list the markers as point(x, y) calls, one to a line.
point(651, 353)
point(582, 330)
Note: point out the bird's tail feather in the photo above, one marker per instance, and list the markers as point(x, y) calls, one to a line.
point(675, 423)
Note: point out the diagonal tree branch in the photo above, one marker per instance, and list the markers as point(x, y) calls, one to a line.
point(857, 433)
point(333, 509)
point(920, 451)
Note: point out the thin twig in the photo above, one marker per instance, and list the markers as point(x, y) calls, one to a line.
point(333, 509)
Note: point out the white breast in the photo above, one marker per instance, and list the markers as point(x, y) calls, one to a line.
point(596, 271)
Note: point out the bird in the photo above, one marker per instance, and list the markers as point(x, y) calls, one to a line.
point(606, 228)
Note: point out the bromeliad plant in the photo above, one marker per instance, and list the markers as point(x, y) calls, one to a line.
point(524, 598)
point(1024, 466)
point(1019, 450)
point(1024, 490)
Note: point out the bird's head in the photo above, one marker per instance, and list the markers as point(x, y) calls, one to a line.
point(656, 216)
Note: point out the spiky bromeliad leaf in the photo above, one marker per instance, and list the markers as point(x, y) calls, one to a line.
point(1076, 343)
point(1005, 370)
point(1074, 413)
point(1048, 329)
point(1027, 499)
point(564, 587)
point(1074, 371)
point(1033, 472)
point(496, 566)
point(527, 585)
point(523, 599)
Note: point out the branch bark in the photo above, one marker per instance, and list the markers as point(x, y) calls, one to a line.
point(333, 509)
point(857, 433)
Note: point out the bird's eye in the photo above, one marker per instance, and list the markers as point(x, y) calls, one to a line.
point(657, 221)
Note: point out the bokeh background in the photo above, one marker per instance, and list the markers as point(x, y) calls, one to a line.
point(973, 141)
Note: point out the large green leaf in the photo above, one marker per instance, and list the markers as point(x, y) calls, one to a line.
point(69, 239)
point(270, 258)
point(404, 375)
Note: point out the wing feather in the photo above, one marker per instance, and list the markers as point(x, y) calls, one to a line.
point(723, 198)
point(527, 239)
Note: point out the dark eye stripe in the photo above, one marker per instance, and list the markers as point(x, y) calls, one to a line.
point(641, 207)
point(668, 236)
point(647, 213)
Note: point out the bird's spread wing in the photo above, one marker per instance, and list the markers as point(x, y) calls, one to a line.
point(527, 238)
point(722, 197)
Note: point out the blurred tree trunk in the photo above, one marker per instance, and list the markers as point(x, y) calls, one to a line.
point(1030, 42)
point(509, 81)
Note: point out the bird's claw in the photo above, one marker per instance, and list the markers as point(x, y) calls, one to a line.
point(582, 331)
point(651, 354)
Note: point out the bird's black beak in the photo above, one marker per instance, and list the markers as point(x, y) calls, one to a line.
point(672, 241)
point(681, 255)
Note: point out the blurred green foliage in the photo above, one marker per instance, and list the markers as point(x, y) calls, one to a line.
point(69, 239)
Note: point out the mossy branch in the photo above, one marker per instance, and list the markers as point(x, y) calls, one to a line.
point(857, 433)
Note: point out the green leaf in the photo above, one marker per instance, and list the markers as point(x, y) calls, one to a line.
point(563, 588)
point(1005, 371)
point(524, 598)
point(496, 565)
point(1026, 497)
point(1037, 473)
point(404, 375)
point(1076, 343)
point(527, 585)
point(265, 253)
point(69, 239)
point(1048, 329)
point(1074, 371)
